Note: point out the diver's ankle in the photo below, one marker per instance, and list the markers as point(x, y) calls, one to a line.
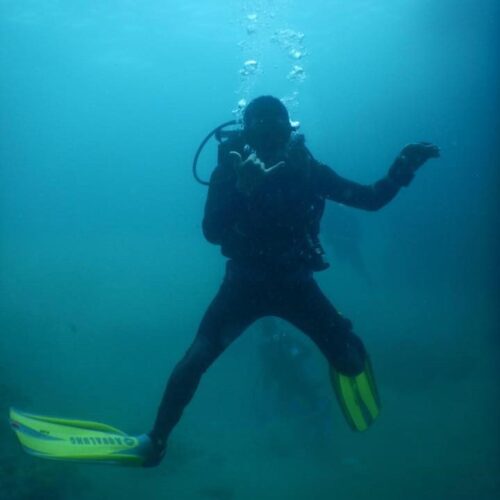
point(157, 450)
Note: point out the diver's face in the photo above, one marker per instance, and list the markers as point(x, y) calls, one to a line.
point(268, 132)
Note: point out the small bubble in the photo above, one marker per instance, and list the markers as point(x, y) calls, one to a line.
point(240, 106)
point(297, 73)
point(249, 67)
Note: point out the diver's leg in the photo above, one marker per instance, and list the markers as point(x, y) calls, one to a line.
point(306, 307)
point(229, 314)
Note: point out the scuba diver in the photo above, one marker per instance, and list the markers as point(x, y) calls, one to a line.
point(283, 371)
point(265, 201)
point(289, 393)
point(264, 205)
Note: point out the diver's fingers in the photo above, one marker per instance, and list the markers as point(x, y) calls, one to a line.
point(434, 151)
point(252, 158)
point(236, 159)
point(272, 170)
point(430, 149)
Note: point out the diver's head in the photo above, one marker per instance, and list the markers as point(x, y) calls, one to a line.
point(266, 124)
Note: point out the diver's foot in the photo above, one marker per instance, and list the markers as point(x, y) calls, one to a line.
point(155, 451)
point(352, 358)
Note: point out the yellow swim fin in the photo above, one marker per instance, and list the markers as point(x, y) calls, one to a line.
point(78, 440)
point(357, 396)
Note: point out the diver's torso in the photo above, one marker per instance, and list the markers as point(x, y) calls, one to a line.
point(278, 215)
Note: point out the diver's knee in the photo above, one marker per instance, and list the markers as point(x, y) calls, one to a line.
point(200, 355)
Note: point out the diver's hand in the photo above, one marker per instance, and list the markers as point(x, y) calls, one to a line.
point(415, 155)
point(411, 158)
point(251, 172)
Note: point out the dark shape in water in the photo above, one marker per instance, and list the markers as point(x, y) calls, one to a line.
point(342, 232)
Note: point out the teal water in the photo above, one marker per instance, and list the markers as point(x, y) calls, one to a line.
point(104, 272)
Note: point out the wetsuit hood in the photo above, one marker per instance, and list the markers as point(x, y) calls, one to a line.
point(266, 125)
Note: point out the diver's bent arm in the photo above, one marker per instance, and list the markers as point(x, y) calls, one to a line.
point(366, 197)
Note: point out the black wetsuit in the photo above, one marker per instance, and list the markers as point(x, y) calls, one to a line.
point(269, 271)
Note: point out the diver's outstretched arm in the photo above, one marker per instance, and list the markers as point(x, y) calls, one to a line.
point(374, 196)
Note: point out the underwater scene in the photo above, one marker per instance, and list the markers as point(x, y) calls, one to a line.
point(349, 350)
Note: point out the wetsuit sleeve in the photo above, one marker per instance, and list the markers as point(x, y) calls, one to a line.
point(366, 197)
point(224, 204)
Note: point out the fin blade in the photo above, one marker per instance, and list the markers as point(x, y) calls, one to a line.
point(357, 396)
point(368, 395)
point(77, 440)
